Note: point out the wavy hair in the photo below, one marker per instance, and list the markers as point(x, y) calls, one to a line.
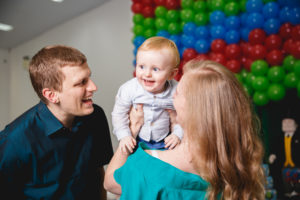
point(222, 132)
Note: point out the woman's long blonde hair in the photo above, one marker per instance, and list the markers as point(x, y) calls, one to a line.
point(222, 132)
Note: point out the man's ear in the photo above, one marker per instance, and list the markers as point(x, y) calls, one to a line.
point(173, 73)
point(50, 95)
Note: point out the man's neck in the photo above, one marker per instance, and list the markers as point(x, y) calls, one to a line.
point(66, 120)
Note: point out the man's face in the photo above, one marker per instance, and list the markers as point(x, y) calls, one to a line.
point(75, 98)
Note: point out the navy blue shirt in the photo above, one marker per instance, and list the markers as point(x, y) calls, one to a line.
point(41, 159)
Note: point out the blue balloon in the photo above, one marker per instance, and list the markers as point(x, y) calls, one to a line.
point(232, 22)
point(244, 17)
point(176, 39)
point(135, 51)
point(217, 17)
point(163, 33)
point(181, 50)
point(254, 6)
point(270, 10)
point(201, 32)
point(189, 28)
point(295, 16)
point(232, 37)
point(272, 26)
point(245, 33)
point(290, 3)
point(217, 32)
point(138, 40)
point(202, 46)
point(188, 41)
point(285, 14)
point(255, 20)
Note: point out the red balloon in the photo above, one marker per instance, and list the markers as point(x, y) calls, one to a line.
point(246, 48)
point(218, 46)
point(137, 7)
point(287, 45)
point(273, 42)
point(257, 52)
point(201, 57)
point(285, 31)
point(257, 36)
point(135, 1)
point(247, 64)
point(233, 65)
point(219, 58)
point(181, 64)
point(172, 4)
point(232, 51)
point(148, 11)
point(159, 2)
point(296, 33)
point(178, 76)
point(274, 57)
point(189, 54)
point(295, 51)
point(147, 2)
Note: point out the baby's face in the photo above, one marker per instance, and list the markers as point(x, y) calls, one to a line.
point(154, 68)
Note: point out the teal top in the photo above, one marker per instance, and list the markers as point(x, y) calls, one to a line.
point(148, 178)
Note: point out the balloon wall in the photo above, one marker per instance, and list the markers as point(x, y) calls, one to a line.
point(258, 40)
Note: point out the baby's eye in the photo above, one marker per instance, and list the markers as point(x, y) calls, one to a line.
point(141, 66)
point(155, 69)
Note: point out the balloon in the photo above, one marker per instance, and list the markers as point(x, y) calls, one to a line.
point(200, 6)
point(161, 24)
point(291, 80)
point(248, 89)
point(160, 11)
point(232, 51)
point(137, 7)
point(260, 98)
point(259, 67)
point(201, 32)
point(138, 18)
point(187, 15)
point(217, 32)
point(232, 22)
point(147, 2)
point(250, 78)
point(287, 46)
point(218, 57)
point(255, 20)
point(201, 19)
point(238, 77)
point(273, 41)
point(257, 36)
point(257, 52)
point(276, 92)
point(217, 18)
point(189, 28)
point(138, 41)
point(233, 65)
point(244, 17)
point(172, 15)
point(200, 57)
point(159, 2)
point(245, 33)
point(275, 57)
point(188, 41)
point(187, 3)
point(163, 33)
point(232, 37)
point(243, 74)
point(285, 30)
point(218, 46)
point(295, 15)
point(176, 39)
point(148, 11)
point(296, 32)
point(272, 25)
point(276, 74)
point(254, 6)
point(288, 63)
point(231, 8)
point(189, 54)
point(149, 33)
point(247, 62)
point(149, 22)
point(260, 83)
point(138, 29)
point(217, 5)
point(172, 4)
point(201, 46)
point(297, 68)
point(174, 28)
point(270, 10)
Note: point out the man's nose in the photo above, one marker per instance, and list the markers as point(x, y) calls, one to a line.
point(91, 86)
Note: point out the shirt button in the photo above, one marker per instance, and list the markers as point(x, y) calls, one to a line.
point(152, 123)
point(154, 97)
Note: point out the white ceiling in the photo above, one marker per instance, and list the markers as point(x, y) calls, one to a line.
point(30, 18)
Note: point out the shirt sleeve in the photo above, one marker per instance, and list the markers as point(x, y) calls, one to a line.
point(120, 119)
point(178, 131)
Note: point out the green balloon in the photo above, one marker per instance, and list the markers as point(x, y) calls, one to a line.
point(291, 80)
point(244, 74)
point(260, 98)
point(174, 28)
point(187, 3)
point(199, 6)
point(243, 5)
point(138, 30)
point(172, 15)
point(259, 67)
point(160, 11)
point(201, 19)
point(149, 33)
point(187, 15)
point(161, 24)
point(138, 18)
point(217, 5)
point(238, 77)
point(297, 68)
point(276, 92)
point(260, 83)
point(276, 74)
point(250, 78)
point(248, 89)
point(149, 22)
point(231, 8)
point(288, 63)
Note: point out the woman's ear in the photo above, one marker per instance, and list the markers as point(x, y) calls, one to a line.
point(50, 95)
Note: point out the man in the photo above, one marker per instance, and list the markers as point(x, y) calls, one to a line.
point(57, 149)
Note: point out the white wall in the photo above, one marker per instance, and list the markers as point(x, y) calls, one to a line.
point(102, 34)
point(4, 88)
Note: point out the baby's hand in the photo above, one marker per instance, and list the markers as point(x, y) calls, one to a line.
point(171, 141)
point(127, 144)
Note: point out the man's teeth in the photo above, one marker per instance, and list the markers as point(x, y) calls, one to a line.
point(86, 99)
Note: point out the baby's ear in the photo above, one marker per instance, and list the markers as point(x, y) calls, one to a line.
point(173, 73)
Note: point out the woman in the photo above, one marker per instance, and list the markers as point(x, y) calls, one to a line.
point(220, 155)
